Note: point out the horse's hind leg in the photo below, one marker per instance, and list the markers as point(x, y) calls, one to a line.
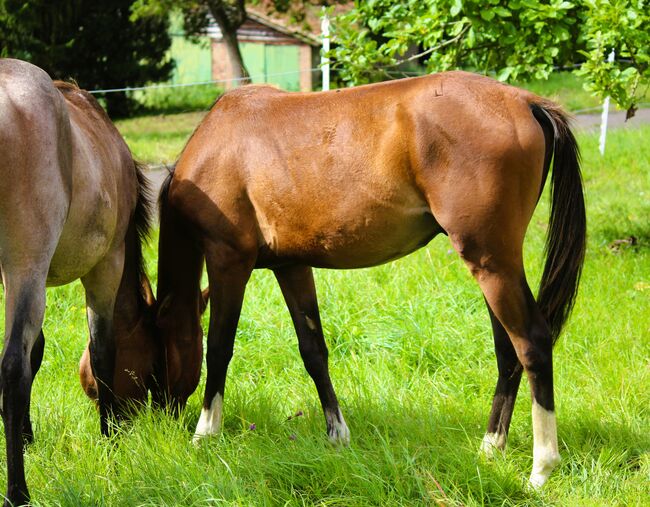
point(500, 274)
point(505, 394)
point(101, 285)
point(24, 310)
point(35, 360)
point(299, 291)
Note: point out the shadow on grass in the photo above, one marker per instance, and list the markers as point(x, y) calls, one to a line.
point(401, 454)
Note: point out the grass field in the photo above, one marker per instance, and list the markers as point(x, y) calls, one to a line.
point(412, 361)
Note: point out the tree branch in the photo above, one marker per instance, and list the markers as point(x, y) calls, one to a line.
point(431, 50)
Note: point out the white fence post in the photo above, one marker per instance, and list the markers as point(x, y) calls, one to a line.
point(603, 118)
point(324, 61)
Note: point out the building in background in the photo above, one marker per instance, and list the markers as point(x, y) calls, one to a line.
point(273, 53)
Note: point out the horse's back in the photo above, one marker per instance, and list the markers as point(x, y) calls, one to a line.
point(349, 178)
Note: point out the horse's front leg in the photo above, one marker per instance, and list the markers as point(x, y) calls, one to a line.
point(101, 285)
point(228, 273)
point(299, 291)
point(35, 360)
point(24, 310)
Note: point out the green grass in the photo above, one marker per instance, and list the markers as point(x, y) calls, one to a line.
point(178, 99)
point(159, 138)
point(412, 361)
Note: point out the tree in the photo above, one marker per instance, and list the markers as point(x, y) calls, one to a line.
point(228, 14)
point(511, 39)
point(622, 26)
point(515, 39)
point(95, 43)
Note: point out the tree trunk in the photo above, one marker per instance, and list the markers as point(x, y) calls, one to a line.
point(230, 15)
point(239, 70)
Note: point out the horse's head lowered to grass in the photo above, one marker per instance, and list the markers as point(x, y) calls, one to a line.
point(138, 355)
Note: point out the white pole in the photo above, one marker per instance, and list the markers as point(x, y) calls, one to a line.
point(324, 61)
point(603, 118)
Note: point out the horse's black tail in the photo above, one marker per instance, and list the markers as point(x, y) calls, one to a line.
point(567, 234)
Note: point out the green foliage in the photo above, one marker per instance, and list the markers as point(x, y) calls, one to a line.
point(622, 26)
point(94, 43)
point(178, 99)
point(158, 139)
point(512, 39)
point(518, 39)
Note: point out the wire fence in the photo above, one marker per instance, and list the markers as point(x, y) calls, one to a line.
point(264, 77)
point(204, 83)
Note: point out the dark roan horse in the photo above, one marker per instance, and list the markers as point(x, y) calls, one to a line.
point(72, 206)
point(357, 177)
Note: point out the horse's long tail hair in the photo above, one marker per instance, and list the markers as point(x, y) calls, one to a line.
point(567, 230)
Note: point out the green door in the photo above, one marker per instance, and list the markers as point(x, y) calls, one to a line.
point(253, 55)
point(273, 64)
point(193, 61)
point(283, 66)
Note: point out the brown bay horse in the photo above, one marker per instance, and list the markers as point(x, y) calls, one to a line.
point(357, 177)
point(73, 206)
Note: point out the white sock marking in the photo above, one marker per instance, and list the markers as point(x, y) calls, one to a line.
point(545, 452)
point(337, 430)
point(210, 420)
point(492, 441)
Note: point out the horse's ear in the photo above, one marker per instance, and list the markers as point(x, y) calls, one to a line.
point(147, 293)
point(205, 297)
point(163, 309)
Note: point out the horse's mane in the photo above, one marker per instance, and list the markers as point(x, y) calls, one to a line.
point(142, 217)
point(79, 97)
point(164, 189)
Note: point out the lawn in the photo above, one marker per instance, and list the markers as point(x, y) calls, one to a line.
point(412, 361)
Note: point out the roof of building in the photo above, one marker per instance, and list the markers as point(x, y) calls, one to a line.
point(306, 29)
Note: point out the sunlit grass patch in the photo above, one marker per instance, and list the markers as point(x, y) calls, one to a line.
point(411, 358)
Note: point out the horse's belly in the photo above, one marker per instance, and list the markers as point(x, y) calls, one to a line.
point(96, 220)
point(69, 264)
point(85, 241)
point(370, 240)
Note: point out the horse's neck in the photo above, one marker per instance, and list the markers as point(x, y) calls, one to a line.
point(180, 263)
